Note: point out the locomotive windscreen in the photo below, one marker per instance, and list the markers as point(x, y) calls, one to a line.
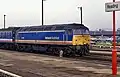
point(80, 31)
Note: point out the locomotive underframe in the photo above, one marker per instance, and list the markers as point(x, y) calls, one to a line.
point(68, 50)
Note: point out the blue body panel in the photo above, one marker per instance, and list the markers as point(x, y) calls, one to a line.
point(45, 35)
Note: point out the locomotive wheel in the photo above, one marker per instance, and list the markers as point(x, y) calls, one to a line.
point(80, 53)
point(86, 50)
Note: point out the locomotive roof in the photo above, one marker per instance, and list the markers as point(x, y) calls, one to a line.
point(54, 27)
point(47, 27)
point(9, 29)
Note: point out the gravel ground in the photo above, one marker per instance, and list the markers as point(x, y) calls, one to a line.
point(37, 65)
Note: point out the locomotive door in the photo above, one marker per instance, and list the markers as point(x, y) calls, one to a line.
point(67, 34)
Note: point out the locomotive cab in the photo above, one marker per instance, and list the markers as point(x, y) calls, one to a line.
point(81, 37)
point(81, 41)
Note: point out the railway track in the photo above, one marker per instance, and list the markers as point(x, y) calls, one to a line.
point(98, 55)
point(94, 55)
point(104, 49)
point(37, 64)
point(102, 55)
point(100, 58)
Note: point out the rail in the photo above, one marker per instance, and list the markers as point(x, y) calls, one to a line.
point(7, 74)
point(103, 46)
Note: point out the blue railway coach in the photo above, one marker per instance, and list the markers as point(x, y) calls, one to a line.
point(5, 36)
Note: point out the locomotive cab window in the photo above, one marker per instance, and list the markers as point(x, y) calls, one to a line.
point(69, 31)
point(80, 31)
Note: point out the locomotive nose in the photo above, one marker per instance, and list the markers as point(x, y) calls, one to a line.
point(80, 39)
point(77, 40)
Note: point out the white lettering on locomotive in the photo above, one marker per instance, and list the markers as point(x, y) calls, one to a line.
point(52, 38)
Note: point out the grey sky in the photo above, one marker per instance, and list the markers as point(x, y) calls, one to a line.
point(28, 12)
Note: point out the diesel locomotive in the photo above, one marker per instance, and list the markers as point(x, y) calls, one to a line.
point(72, 39)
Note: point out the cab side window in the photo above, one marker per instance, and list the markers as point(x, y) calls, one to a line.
point(69, 32)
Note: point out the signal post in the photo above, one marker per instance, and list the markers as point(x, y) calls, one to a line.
point(112, 7)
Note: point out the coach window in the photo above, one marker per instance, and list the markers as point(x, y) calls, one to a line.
point(8, 34)
point(4, 34)
point(0, 35)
